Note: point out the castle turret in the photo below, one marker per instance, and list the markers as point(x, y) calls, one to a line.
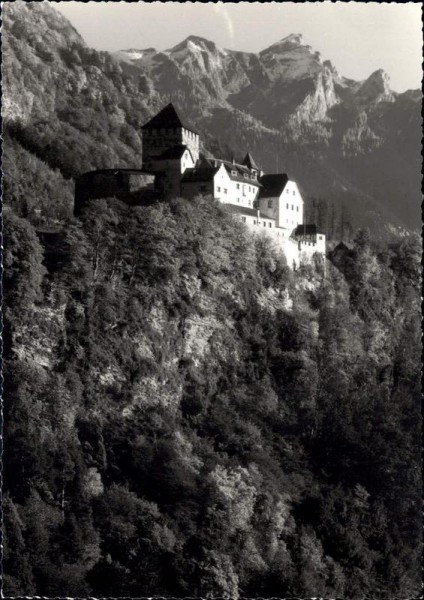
point(162, 133)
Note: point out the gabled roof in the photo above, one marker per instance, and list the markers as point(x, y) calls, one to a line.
point(249, 162)
point(168, 118)
point(204, 174)
point(273, 185)
point(305, 230)
point(176, 152)
point(240, 171)
point(235, 166)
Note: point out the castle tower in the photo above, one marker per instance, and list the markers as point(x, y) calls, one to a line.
point(163, 132)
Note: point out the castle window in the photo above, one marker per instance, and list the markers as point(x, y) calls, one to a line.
point(233, 172)
point(250, 203)
point(292, 207)
point(225, 191)
point(294, 192)
point(264, 224)
point(243, 219)
point(288, 191)
point(269, 224)
point(254, 222)
point(269, 203)
point(297, 208)
point(287, 205)
point(320, 237)
point(218, 189)
point(238, 186)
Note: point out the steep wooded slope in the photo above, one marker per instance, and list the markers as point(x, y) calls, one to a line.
point(187, 417)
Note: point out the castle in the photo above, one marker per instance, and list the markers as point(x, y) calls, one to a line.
point(266, 203)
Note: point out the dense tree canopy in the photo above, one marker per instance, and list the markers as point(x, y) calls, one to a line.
point(186, 416)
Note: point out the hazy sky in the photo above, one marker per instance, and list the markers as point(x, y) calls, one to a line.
point(357, 37)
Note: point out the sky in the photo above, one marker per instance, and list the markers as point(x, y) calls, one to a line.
point(357, 37)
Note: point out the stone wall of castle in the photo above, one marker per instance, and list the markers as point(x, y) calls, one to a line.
point(191, 140)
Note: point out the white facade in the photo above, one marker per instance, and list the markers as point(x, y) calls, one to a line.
point(296, 252)
point(286, 208)
point(236, 190)
point(222, 189)
point(264, 216)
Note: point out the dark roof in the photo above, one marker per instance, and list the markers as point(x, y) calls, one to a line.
point(167, 118)
point(240, 171)
point(305, 230)
point(235, 166)
point(273, 185)
point(175, 152)
point(250, 212)
point(249, 162)
point(200, 175)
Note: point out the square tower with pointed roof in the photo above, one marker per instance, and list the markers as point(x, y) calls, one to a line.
point(163, 133)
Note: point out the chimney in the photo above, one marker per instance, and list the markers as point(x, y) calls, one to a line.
point(234, 160)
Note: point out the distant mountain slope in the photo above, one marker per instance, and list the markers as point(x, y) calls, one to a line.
point(351, 145)
point(332, 121)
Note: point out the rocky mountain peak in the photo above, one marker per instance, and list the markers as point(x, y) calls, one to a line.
point(293, 38)
point(381, 79)
point(329, 65)
point(194, 43)
point(376, 88)
point(291, 59)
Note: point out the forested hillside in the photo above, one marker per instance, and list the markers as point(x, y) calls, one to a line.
point(185, 416)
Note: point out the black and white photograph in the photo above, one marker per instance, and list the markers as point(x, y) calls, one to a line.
point(211, 326)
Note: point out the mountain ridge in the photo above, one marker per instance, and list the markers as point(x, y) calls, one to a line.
point(356, 144)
